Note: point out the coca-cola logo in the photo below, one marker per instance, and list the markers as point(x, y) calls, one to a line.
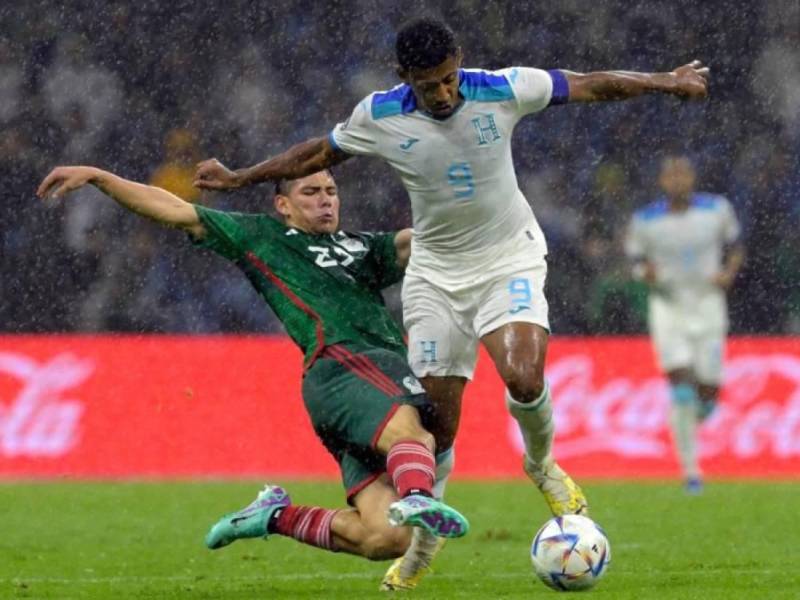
point(629, 416)
point(37, 417)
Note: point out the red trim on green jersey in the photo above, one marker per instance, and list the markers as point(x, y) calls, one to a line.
point(363, 368)
point(353, 491)
point(370, 366)
point(377, 435)
point(294, 299)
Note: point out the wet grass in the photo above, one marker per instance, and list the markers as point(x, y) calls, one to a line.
point(144, 540)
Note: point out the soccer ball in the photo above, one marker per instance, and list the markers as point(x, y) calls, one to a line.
point(570, 553)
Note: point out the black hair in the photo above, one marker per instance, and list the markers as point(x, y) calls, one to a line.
point(284, 186)
point(424, 43)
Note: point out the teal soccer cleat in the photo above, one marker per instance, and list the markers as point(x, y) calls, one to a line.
point(250, 522)
point(432, 515)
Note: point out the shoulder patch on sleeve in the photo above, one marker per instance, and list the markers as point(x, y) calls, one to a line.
point(485, 86)
point(654, 210)
point(397, 101)
point(706, 201)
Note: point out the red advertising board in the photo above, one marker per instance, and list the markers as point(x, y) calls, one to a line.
point(163, 406)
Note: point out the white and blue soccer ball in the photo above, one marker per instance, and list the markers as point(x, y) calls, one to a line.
point(570, 553)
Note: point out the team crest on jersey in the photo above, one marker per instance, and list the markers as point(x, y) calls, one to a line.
point(413, 385)
point(486, 128)
point(352, 244)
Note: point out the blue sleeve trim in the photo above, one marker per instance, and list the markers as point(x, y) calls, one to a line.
point(484, 86)
point(654, 210)
point(560, 87)
point(400, 100)
point(334, 145)
point(705, 202)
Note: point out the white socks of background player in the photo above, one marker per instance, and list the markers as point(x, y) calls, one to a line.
point(683, 419)
point(535, 420)
point(423, 545)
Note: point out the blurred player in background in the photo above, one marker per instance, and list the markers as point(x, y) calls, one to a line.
point(324, 284)
point(686, 247)
point(477, 271)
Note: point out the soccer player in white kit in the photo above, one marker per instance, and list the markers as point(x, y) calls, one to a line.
point(478, 269)
point(686, 247)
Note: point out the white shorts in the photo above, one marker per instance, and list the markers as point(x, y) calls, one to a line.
point(689, 339)
point(444, 327)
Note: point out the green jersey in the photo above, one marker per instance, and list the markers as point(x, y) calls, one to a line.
point(324, 288)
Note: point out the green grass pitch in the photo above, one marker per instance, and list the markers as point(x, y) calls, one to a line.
point(145, 540)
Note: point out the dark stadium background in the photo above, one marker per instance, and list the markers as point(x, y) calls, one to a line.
point(147, 88)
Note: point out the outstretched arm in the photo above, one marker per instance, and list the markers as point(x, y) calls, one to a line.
point(146, 200)
point(689, 81)
point(298, 161)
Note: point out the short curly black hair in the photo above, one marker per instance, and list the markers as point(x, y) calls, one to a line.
point(424, 43)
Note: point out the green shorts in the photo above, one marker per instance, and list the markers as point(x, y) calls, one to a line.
point(350, 395)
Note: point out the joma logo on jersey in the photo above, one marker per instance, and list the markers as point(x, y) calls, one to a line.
point(408, 143)
point(486, 129)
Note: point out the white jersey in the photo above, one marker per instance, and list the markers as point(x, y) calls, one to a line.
point(469, 213)
point(686, 248)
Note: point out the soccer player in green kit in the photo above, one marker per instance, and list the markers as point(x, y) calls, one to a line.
point(364, 402)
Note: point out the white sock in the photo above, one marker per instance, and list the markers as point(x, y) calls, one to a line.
point(420, 552)
point(683, 419)
point(444, 466)
point(535, 420)
point(423, 544)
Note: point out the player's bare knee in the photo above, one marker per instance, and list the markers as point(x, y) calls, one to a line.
point(525, 383)
point(387, 544)
point(405, 425)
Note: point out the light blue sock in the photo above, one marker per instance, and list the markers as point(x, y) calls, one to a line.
point(684, 426)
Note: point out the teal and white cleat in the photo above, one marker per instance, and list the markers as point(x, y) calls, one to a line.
point(432, 515)
point(250, 522)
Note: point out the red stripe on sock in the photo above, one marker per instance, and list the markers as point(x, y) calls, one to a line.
point(307, 524)
point(411, 466)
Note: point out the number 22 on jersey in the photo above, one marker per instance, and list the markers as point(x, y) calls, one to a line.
point(324, 258)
